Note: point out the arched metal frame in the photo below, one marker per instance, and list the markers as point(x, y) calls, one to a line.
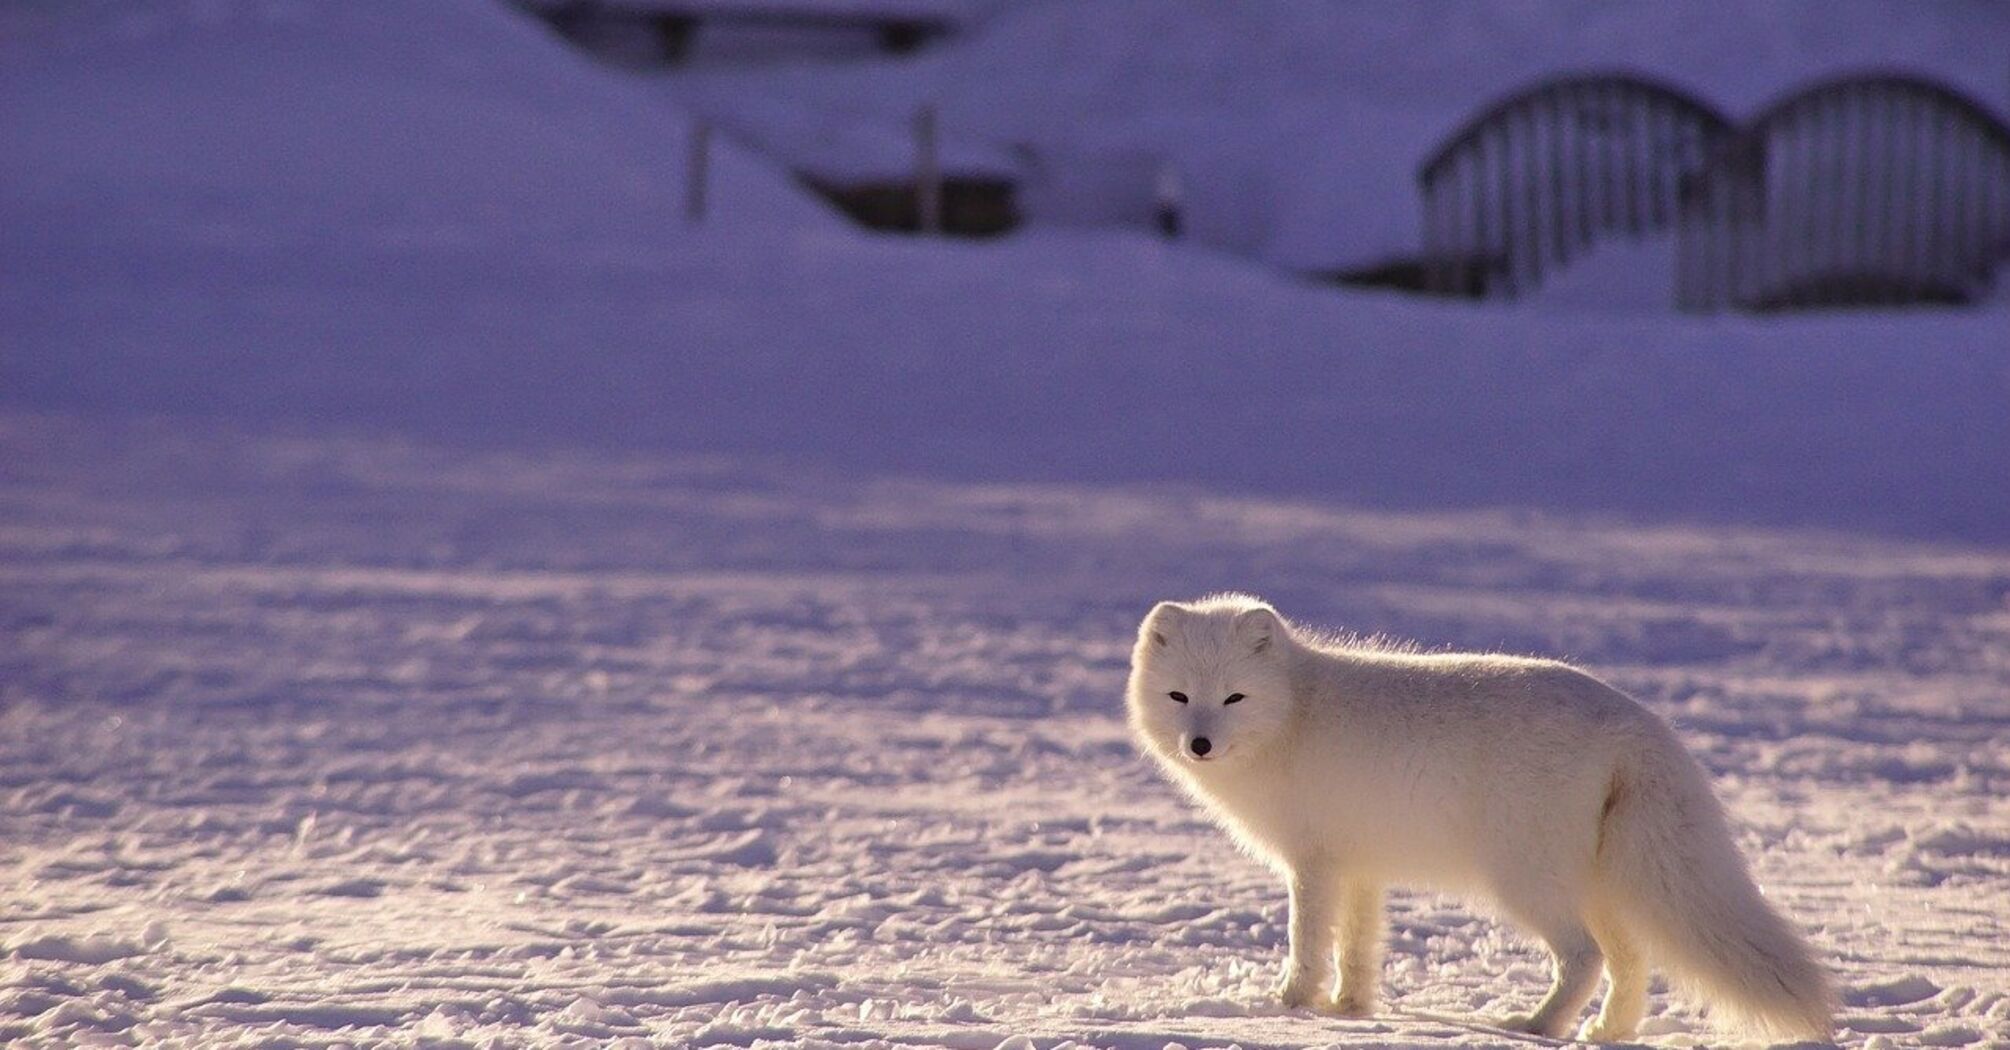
point(1531, 181)
point(1872, 187)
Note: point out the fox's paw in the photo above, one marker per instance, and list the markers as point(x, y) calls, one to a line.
point(1594, 1031)
point(1350, 1004)
point(1529, 1024)
point(1299, 993)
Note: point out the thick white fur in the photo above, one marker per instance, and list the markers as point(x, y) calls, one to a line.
point(1528, 783)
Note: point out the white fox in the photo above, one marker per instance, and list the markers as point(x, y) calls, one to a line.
point(1348, 766)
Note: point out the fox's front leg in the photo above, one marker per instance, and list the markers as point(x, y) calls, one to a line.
point(1362, 931)
point(1308, 972)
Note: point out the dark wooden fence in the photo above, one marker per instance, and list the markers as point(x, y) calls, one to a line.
point(1872, 188)
point(675, 22)
point(1531, 181)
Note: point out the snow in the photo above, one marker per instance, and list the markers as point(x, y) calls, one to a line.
point(91, 951)
point(1298, 128)
point(479, 304)
point(446, 600)
point(685, 750)
point(452, 124)
point(1618, 275)
point(1086, 356)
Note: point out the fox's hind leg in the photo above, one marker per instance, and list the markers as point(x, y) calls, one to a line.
point(1576, 959)
point(1362, 931)
point(1625, 982)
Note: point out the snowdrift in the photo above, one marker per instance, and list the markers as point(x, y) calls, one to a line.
point(1088, 357)
point(451, 121)
point(436, 219)
point(1299, 127)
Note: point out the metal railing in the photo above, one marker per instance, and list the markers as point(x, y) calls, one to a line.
point(1531, 181)
point(1866, 189)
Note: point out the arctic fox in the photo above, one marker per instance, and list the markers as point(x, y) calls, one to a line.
point(1349, 766)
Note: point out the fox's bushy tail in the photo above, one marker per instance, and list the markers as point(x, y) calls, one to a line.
point(1667, 860)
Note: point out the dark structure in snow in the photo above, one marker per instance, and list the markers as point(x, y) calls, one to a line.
point(1533, 180)
point(969, 201)
point(1869, 189)
point(972, 204)
point(1874, 188)
point(673, 24)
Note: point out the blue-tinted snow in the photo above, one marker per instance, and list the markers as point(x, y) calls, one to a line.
point(325, 739)
point(444, 601)
point(439, 219)
point(1298, 128)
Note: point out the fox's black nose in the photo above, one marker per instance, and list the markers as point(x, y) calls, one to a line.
point(1200, 746)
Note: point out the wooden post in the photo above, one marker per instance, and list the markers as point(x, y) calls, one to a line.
point(1609, 192)
point(1656, 120)
point(1905, 192)
point(1531, 189)
point(1842, 206)
point(1484, 216)
point(698, 171)
point(1935, 248)
point(927, 171)
point(1168, 199)
point(1432, 191)
point(1510, 216)
point(1723, 220)
point(1967, 191)
point(1584, 138)
point(1459, 278)
point(1686, 234)
point(1883, 173)
point(1865, 251)
point(1555, 123)
point(1817, 154)
point(1632, 157)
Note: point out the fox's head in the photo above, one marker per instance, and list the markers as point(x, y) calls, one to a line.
point(1210, 681)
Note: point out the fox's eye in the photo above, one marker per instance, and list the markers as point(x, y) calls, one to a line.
point(1181, 697)
point(1233, 698)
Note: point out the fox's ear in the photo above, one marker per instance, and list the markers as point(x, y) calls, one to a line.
point(1257, 628)
point(1159, 621)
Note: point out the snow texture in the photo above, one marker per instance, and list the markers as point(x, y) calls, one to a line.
point(446, 600)
point(323, 740)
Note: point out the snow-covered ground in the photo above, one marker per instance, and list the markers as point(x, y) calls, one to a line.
point(316, 739)
point(446, 599)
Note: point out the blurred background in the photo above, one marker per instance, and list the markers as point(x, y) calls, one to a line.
point(1712, 260)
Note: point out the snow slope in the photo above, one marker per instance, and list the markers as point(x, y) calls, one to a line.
point(453, 123)
point(319, 739)
point(1059, 356)
point(436, 219)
